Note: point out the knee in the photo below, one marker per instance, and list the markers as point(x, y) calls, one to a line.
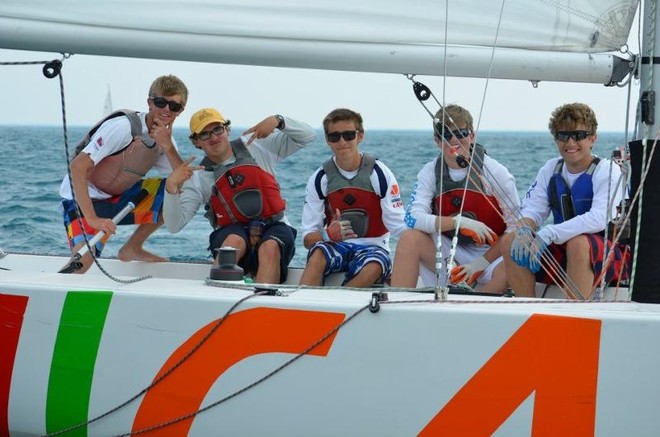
point(269, 250)
point(374, 268)
point(577, 248)
point(234, 241)
point(316, 259)
point(411, 239)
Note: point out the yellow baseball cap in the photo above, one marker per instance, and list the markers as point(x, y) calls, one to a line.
point(203, 118)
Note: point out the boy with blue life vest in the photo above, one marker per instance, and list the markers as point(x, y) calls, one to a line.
point(236, 183)
point(465, 192)
point(577, 189)
point(352, 205)
point(107, 173)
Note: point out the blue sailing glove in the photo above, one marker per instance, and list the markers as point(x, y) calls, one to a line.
point(527, 248)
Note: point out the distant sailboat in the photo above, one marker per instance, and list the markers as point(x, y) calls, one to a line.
point(107, 106)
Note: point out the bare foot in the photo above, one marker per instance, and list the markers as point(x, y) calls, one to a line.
point(130, 254)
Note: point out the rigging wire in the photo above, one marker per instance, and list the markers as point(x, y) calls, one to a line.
point(569, 287)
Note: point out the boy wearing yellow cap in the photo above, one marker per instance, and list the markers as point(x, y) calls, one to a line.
point(236, 183)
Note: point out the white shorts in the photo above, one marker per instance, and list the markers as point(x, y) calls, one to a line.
point(464, 254)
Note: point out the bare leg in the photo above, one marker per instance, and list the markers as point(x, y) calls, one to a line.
point(367, 277)
point(268, 271)
point(522, 280)
point(86, 260)
point(132, 250)
point(578, 264)
point(313, 273)
point(237, 243)
point(413, 247)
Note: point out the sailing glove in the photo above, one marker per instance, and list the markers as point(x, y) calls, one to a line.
point(474, 229)
point(470, 272)
point(340, 230)
point(527, 248)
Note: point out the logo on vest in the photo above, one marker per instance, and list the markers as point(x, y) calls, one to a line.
point(239, 178)
point(349, 199)
point(456, 201)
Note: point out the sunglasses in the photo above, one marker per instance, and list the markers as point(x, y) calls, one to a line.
point(458, 133)
point(347, 135)
point(217, 131)
point(577, 135)
point(162, 102)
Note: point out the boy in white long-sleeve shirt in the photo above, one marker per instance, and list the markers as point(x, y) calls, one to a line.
point(481, 204)
point(575, 189)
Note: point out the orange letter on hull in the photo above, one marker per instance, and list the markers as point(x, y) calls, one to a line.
point(555, 357)
point(243, 334)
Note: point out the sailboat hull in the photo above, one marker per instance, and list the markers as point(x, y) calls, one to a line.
point(197, 357)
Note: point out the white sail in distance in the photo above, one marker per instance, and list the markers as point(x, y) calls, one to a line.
point(107, 105)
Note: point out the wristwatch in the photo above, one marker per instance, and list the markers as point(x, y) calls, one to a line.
point(280, 121)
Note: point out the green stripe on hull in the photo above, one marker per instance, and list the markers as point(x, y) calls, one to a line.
point(74, 358)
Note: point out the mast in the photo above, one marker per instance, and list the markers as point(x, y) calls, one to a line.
point(644, 232)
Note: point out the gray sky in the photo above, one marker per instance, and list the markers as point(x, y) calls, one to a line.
point(247, 94)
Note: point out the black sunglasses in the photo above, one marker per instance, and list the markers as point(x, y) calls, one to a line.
point(577, 135)
point(162, 102)
point(458, 133)
point(347, 135)
point(217, 131)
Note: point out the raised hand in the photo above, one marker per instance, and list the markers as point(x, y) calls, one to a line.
point(468, 273)
point(161, 134)
point(340, 230)
point(474, 229)
point(262, 129)
point(181, 174)
point(526, 249)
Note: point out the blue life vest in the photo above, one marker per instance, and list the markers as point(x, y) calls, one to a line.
point(566, 202)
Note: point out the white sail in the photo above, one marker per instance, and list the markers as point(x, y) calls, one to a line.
point(369, 35)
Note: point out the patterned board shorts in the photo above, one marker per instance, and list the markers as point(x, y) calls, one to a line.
point(351, 258)
point(617, 270)
point(147, 211)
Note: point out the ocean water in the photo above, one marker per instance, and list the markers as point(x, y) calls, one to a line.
point(33, 162)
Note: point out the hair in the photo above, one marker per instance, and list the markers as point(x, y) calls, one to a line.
point(452, 116)
point(568, 116)
point(343, 114)
point(168, 86)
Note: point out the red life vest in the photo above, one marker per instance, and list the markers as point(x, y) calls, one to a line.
point(476, 205)
point(243, 191)
point(116, 173)
point(355, 198)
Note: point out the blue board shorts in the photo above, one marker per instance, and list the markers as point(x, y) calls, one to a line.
point(351, 258)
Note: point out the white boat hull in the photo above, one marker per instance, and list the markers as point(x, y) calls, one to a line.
point(77, 346)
